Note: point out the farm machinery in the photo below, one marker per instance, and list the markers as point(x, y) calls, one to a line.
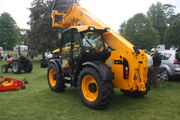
point(19, 62)
point(95, 59)
point(10, 84)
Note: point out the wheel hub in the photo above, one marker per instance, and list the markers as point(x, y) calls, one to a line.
point(92, 87)
point(54, 76)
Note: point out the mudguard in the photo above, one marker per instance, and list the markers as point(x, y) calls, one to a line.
point(102, 68)
point(57, 63)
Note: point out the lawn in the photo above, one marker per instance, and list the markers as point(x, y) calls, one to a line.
point(38, 102)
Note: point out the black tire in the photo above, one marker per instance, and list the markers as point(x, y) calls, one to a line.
point(16, 67)
point(59, 85)
point(28, 67)
point(140, 94)
point(164, 76)
point(44, 64)
point(4, 69)
point(105, 89)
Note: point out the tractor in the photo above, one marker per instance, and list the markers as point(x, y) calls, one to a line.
point(19, 62)
point(95, 59)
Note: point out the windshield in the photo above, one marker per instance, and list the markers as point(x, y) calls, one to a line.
point(93, 42)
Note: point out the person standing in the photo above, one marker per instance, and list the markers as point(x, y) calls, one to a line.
point(155, 67)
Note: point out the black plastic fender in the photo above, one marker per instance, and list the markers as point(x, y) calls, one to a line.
point(102, 68)
point(57, 63)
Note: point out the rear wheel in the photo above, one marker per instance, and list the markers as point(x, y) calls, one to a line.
point(28, 67)
point(4, 69)
point(55, 80)
point(94, 91)
point(16, 67)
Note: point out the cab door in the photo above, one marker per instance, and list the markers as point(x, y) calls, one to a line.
point(70, 50)
point(66, 51)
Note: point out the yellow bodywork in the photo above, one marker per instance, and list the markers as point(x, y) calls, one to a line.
point(56, 51)
point(79, 18)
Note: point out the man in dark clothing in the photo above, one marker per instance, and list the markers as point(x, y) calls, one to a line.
point(155, 67)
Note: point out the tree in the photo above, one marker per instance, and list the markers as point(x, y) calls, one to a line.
point(172, 34)
point(122, 28)
point(169, 12)
point(161, 15)
point(173, 18)
point(158, 18)
point(139, 31)
point(9, 31)
point(42, 35)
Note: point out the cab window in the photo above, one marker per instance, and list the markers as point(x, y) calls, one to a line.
point(76, 43)
point(93, 42)
point(66, 42)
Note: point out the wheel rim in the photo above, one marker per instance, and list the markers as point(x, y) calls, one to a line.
point(165, 76)
point(15, 67)
point(89, 88)
point(52, 79)
point(3, 69)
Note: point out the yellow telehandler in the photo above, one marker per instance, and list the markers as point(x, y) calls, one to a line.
point(96, 59)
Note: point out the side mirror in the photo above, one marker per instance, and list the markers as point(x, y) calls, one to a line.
point(178, 56)
point(59, 35)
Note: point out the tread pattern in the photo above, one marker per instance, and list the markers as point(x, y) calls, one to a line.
point(105, 88)
point(29, 67)
point(60, 83)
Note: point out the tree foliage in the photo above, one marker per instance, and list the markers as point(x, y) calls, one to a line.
point(172, 34)
point(122, 28)
point(158, 17)
point(161, 16)
point(9, 31)
point(139, 31)
point(42, 35)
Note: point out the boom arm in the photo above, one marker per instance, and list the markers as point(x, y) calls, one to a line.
point(77, 16)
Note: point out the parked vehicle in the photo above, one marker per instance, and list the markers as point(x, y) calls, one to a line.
point(19, 62)
point(170, 65)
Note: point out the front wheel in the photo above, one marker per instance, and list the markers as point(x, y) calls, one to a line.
point(55, 80)
point(4, 69)
point(94, 91)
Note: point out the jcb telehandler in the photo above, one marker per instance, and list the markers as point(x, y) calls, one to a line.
point(95, 59)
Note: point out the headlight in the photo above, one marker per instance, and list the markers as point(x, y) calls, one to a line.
point(91, 28)
point(107, 29)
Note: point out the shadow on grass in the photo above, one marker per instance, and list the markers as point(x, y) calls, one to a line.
point(71, 96)
point(175, 79)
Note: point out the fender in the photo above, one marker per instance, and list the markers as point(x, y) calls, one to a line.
point(57, 63)
point(167, 68)
point(102, 68)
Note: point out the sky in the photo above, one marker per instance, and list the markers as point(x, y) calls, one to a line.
point(111, 12)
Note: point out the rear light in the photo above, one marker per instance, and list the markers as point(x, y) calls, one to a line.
point(125, 68)
point(176, 62)
point(126, 72)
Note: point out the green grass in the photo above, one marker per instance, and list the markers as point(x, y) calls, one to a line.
point(38, 102)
